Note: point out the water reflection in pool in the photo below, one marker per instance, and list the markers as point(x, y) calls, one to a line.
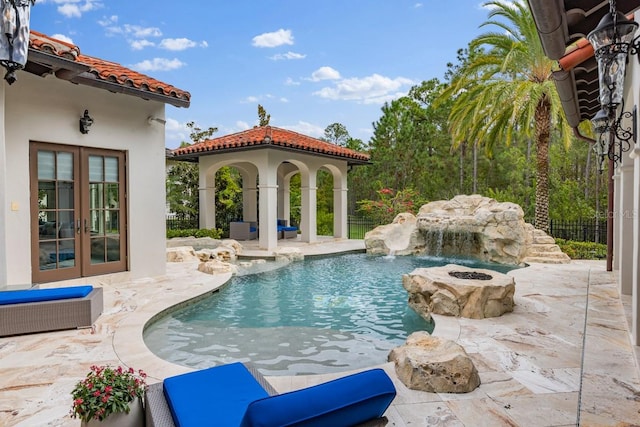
point(317, 316)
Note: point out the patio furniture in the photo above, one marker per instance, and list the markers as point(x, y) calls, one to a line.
point(285, 231)
point(243, 230)
point(42, 310)
point(238, 395)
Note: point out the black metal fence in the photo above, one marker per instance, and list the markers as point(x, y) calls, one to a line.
point(175, 223)
point(582, 230)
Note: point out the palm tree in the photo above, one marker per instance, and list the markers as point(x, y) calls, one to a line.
point(506, 89)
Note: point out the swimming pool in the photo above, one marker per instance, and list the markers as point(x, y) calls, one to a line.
point(320, 315)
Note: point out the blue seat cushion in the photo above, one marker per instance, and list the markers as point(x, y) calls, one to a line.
point(285, 228)
point(215, 396)
point(39, 295)
point(345, 402)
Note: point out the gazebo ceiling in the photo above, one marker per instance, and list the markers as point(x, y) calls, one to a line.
point(269, 137)
point(562, 26)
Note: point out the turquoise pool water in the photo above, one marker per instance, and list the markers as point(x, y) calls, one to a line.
point(321, 315)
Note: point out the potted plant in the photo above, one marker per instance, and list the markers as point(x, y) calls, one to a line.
point(110, 396)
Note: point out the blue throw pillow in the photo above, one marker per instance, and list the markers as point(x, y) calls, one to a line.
point(347, 401)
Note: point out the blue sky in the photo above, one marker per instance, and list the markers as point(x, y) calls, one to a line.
point(310, 64)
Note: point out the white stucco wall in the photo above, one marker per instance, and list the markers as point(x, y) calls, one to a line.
point(48, 110)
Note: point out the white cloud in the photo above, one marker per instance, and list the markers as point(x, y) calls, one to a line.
point(288, 55)
point(63, 38)
point(374, 89)
point(177, 44)
point(250, 99)
point(204, 43)
point(283, 100)
point(176, 133)
point(242, 125)
point(75, 8)
point(141, 32)
point(291, 82)
point(274, 39)
point(140, 44)
point(417, 5)
point(306, 128)
point(158, 64)
point(325, 73)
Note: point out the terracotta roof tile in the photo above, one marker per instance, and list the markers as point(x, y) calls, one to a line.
point(105, 70)
point(270, 136)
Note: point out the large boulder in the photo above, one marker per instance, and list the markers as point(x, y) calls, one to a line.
point(433, 364)
point(401, 237)
point(181, 254)
point(456, 290)
point(468, 225)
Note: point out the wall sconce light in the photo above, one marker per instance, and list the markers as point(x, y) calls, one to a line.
point(85, 122)
point(14, 40)
point(612, 43)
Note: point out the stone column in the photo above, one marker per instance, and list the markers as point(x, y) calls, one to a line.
point(309, 207)
point(268, 200)
point(207, 203)
point(340, 211)
point(623, 249)
point(249, 197)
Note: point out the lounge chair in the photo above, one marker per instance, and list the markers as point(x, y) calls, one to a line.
point(237, 395)
point(51, 309)
point(243, 230)
point(285, 231)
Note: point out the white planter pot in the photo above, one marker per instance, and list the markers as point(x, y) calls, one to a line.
point(135, 418)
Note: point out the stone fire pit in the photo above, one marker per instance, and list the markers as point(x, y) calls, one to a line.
point(456, 290)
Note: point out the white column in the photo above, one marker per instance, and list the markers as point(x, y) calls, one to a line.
point(3, 200)
point(308, 215)
point(249, 197)
point(268, 200)
point(634, 264)
point(284, 199)
point(340, 208)
point(623, 251)
point(207, 202)
point(616, 219)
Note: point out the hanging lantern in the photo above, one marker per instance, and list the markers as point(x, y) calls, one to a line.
point(14, 40)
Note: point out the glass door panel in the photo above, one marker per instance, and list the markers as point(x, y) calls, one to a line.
point(54, 172)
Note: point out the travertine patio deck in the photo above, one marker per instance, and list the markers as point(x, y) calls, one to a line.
point(537, 365)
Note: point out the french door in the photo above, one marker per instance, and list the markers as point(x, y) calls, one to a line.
point(78, 211)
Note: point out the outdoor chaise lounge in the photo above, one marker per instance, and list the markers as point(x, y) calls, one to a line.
point(237, 395)
point(41, 310)
point(243, 230)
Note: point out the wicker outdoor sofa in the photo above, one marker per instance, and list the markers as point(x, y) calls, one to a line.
point(237, 394)
point(51, 309)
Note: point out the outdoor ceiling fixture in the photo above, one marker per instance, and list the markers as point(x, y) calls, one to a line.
point(612, 41)
point(14, 37)
point(85, 122)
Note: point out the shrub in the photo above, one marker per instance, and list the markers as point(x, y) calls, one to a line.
point(582, 250)
point(195, 232)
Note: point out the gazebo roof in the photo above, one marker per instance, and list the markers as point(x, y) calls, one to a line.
point(269, 137)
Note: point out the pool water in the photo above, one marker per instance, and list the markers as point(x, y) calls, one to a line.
point(320, 315)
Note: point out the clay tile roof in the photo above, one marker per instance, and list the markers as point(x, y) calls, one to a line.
point(269, 136)
point(104, 74)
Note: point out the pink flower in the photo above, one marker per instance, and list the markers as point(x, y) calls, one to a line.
point(108, 389)
point(96, 393)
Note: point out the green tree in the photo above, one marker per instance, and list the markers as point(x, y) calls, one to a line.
point(183, 182)
point(263, 117)
point(508, 91)
point(337, 133)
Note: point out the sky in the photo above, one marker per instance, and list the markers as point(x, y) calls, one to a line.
point(309, 64)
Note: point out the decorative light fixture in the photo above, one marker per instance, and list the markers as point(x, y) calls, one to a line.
point(612, 43)
point(14, 37)
point(85, 122)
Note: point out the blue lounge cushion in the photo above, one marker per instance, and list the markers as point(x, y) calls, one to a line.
point(347, 401)
point(214, 396)
point(286, 228)
point(39, 295)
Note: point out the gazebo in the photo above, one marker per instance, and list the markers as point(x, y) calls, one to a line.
point(267, 158)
